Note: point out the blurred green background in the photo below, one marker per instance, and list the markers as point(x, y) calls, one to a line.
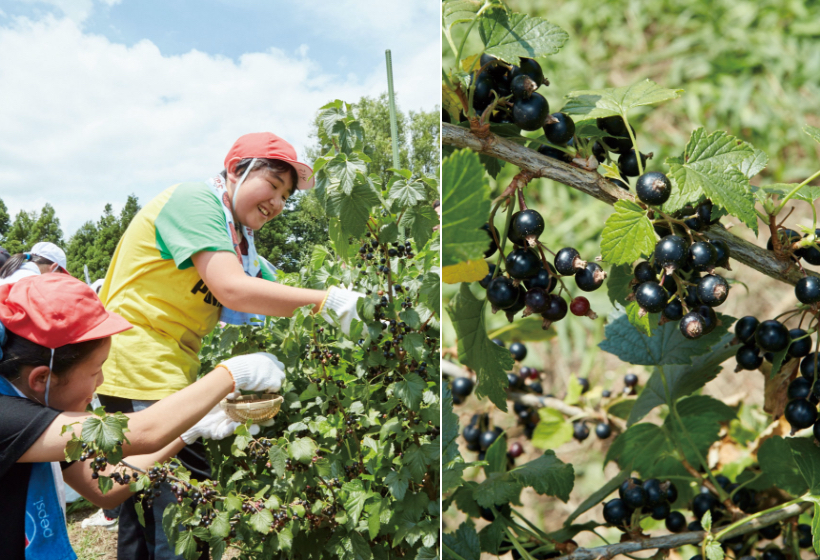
point(749, 68)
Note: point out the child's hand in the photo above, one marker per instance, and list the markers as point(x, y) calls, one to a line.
point(343, 302)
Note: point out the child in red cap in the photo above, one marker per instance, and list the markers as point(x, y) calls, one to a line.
point(55, 336)
point(187, 261)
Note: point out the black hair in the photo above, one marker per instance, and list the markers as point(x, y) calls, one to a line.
point(277, 166)
point(16, 261)
point(19, 352)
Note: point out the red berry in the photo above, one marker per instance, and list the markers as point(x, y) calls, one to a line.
point(579, 306)
point(516, 449)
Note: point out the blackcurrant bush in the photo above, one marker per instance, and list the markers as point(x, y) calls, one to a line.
point(616, 512)
point(462, 386)
point(522, 87)
point(745, 329)
point(800, 414)
point(580, 431)
point(556, 308)
point(712, 290)
point(532, 113)
point(801, 343)
point(523, 263)
point(675, 522)
point(800, 388)
point(568, 261)
point(671, 253)
point(673, 310)
point(702, 256)
point(590, 278)
point(652, 188)
point(691, 325)
point(518, 351)
point(772, 336)
point(536, 387)
point(528, 223)
point(694, 223)
point(501, 293)
point(807, 290)
point(645, 273)
point(603, 431)
point(562, 131)
point(493, 246)
point(749, 358)
point(709, 317)
point(628, 164)
point(651, 297)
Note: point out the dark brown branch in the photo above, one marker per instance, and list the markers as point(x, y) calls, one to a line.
point(595, 185)
point(680, 539)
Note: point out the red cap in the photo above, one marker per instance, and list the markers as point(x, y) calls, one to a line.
point(265, 145)
point(53, 310)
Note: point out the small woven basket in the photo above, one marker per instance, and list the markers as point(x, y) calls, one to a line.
point(252, 407)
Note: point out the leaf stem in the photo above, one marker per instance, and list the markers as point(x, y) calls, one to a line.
point(634, 143)
point(794, 192)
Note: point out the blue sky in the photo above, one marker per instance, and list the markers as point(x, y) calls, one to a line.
point(130, 96)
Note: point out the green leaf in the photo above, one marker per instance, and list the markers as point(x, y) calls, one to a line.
point(617, 283)
point(405, 193)
point(713, 550)
point(261, 520)
point(452, 462)
point(464, 542)
point(356, 497)
point(413, 343)
point(430, 291)
point(508, 35)
point(186, 545)
point(641, 321)
point(683, 380)
point(706, 521)
point(303, 450)
point(318, 257)
point(701, 417)
point(523, 329)
point(710, 167)
point(812, 131)
point(419, 221)
point(552, 431)
point(498, 488)
point(104, 432)
point(476, 351)
point(352, 209)
point(628, 234)
point(460, 11)
point(389, 233)
point(221, 525)
point(496, 456)
point(754, 165)
point(617, 101)
point(410, 390)
point(666, 346)
point(339, 239)
point(278, 459)
point(105, 484)
point(548, 475)
point(397, 483)
point(465, 206)
point(343, 169)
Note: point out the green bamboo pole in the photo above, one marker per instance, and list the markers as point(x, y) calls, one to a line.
point(394, 128)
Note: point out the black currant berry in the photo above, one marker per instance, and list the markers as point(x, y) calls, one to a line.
point(528, 223)
point(804, 534)
point(556, 308)
point(673, 310)
point(691, 325)
point(644, 272)
point(599, 152)
point(532, 113)
point(630, 380)
point(616, 512)
point(635, 497)
point(485, 282)
point(483, 94)
point(471, 434)
point(537, 300)
point(512, 235)
point(603, 431)
point(745, 329)
point(462, 386)
point(568, 261)
point(654, 494)
point(713, 290)
point(811, 254)
point(617, 144)
point(807, 366)
point(800, 414)
point(590, 278)
point(523, 263)
point(543, 280)
point(702, 256)
point(488, 437)
point(562, 131)
point(770, 532)
point(613, 125)
point(653, 188)
point(514, 381)
point(807, 290)
point(580, 431)
point(671, 253)
point(628, 164)
point(554, 153)
point(772, 336)
point(749, 358)
point(773, 554)
point(531, 68)
point(522, 87)
point(628, 483)
point(493, 246)
point(722, 249)
point(800, 388)
point(709, 317)
point(520, 303)
point(660, 511)
point(651, 297)
point(703, 503)
point(801, 343)
point(501, 293)
point(518, 351)
point(675, 522)
point(494, 67)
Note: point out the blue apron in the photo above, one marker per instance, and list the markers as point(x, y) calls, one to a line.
point(46, 531)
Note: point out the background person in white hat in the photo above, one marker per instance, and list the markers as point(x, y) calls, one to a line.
point(43, 258)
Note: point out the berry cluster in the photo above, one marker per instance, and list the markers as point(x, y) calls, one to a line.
point(651, 497)
point(395, 249)
point(524, 265)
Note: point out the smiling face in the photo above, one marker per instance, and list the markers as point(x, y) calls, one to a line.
point(73, 390)
point(262, 196)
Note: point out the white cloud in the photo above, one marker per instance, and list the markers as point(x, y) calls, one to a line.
point(86, 121)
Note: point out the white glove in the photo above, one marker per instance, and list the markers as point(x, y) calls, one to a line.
point(214, 425)
point(343, 302)
point(261, 372)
